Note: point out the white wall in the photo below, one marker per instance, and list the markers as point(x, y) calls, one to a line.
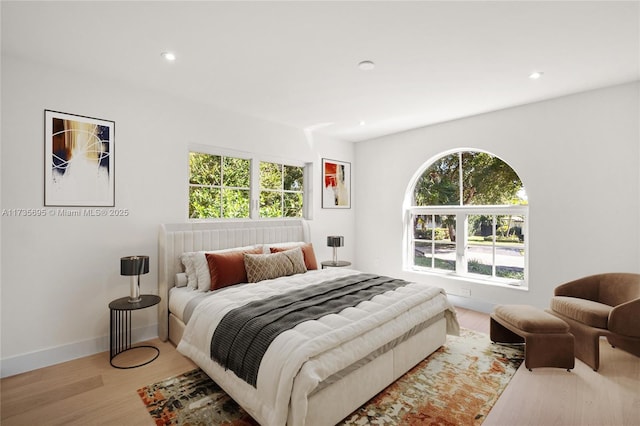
point(578, 157)
point(60, 273)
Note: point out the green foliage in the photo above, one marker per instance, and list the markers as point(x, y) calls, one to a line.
point(220, 187)
point(425, 262)
point(486, 180)
point(293, 178)
point(427, 234)
point(236, 172)
point(477, 267)
point(438, 185)
point(270, 175)
point(235, 203)
point(270, 204)
point(277, 180)
point(510, 272)
point(204, 169)
point(204, 202)
point(292, 204)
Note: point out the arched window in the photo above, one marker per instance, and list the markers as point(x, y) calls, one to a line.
point(466, 214)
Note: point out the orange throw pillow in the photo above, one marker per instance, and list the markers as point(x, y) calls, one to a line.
point(228, 268)
point(307, 252)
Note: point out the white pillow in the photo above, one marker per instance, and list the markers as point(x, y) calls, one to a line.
point(181, 280)
point(189, 269)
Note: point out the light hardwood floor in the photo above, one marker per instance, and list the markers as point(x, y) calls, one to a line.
point(89, 391)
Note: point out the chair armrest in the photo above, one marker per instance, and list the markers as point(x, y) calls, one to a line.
point(624, 319)
point(583, 288)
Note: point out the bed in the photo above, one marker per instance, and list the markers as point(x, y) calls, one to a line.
point(322, 369)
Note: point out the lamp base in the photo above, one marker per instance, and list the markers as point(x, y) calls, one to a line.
point(134, 296)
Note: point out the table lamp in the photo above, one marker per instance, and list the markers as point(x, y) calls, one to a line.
point(134, 266)
point(335, 241)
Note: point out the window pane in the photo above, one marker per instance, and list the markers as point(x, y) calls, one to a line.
point(423, 227)
point(270, 204)
point(445, 255)
point(479, 250)
point(438, 185)
point(236, 172)
point(221, 187)
point(422, 254)
point(292, 204)
point(423, 250)
point(510, 247)
point(235, 203)
point(434, 247)
point(487, 180)
point(494, 246)
point(204, 169)
point(204, 202)
point(293, 178)
point(270, 176)
point(445, 242)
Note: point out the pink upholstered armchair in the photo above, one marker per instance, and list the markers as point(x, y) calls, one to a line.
point(600, 305)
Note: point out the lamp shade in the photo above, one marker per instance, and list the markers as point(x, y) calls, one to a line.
point(335, 241)
point(134, 265)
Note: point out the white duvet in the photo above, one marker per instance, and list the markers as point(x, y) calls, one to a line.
point(300, 358)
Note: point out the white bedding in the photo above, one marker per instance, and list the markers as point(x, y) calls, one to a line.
point(179, 297)
point(300, 358)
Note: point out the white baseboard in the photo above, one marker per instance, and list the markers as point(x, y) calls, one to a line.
point(46, 357)
point(469, 303)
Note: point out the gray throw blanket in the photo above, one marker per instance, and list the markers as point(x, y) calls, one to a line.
point(244, 334)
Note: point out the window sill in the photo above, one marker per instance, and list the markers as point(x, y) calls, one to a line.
point(501, 283)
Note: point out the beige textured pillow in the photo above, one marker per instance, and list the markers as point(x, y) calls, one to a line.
point(307, 253)
point(261, 267)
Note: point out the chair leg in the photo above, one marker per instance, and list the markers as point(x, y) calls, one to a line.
point(627, 344)
point(587, 341)
point(587, 348)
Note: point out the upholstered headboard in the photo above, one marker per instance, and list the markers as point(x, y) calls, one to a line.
point(175, 239)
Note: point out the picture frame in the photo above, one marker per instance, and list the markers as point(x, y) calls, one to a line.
point(78, 160)
point(336, 184)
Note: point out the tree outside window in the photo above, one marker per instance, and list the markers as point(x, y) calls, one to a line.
point(221, 187)
point(281, 190)
point(468, 216)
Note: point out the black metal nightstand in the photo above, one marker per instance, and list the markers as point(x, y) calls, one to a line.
point(336, 264)
point(120, 326)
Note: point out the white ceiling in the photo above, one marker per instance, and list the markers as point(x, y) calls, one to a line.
point(296, 62)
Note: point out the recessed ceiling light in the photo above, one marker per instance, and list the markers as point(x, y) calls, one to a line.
point(169, 56)
point(535, 75)
point(366, 65)
point(362, 122)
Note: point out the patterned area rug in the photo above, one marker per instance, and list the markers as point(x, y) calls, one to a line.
point(456, 385)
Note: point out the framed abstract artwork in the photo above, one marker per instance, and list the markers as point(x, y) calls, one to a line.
point(78, 160)
point(336, 184)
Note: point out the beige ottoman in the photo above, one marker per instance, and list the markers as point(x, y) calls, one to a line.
point(547, 340)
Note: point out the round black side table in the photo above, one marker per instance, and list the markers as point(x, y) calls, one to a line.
point(120, 326)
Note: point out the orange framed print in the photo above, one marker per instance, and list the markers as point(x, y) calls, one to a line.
point(336, 184)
